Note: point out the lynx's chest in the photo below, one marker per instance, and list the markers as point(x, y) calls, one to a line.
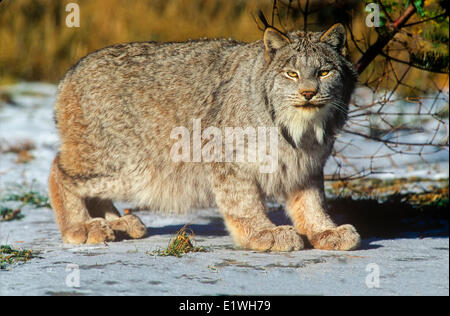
point(296, 168)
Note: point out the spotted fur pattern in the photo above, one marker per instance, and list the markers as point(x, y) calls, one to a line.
point(116, 108)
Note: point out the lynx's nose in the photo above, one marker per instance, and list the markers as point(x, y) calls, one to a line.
point(308, 94)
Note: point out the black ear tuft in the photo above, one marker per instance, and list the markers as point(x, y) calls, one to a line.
point(263, 19)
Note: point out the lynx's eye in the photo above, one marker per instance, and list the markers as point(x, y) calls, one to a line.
point(292, 74)
point(323, 73)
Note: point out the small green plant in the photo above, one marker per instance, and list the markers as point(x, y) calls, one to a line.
point(179, 245)
point(9, 255)
point(9, 214)
point(32, 197)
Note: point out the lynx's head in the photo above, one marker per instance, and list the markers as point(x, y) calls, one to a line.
point(309, 82)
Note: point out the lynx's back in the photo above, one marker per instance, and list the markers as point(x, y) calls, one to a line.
point(116, 109)
point(117, 106)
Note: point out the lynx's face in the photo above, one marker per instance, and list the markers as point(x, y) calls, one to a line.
point(311, 81)
point(308, 83)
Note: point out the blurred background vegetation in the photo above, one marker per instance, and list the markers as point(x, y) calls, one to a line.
point(36, 44)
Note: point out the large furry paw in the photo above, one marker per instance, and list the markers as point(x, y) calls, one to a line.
point(77, 234)
point(98, 231)
point(279, 238)
point(344, 237)
point(94, 231)
point(128, 226)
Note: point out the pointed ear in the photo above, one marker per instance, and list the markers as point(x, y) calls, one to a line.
point(273, 40)
point(335, 36)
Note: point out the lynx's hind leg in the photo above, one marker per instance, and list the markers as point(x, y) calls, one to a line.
point(88, 220)
point(72, 216)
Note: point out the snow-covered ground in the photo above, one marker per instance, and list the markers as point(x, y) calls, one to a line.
point(403, 266)
point(417, 124)
point(29, 117)
point(406, 265)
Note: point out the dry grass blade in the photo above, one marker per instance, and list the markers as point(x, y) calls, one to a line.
point(21, 149)
point(18, 147)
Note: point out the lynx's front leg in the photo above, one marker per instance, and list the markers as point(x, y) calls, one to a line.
point(306, 207)
point(241, 204)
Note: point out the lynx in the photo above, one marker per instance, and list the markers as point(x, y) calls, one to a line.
point(117, 107)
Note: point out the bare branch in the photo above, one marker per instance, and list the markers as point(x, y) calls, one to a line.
point(394, 143)
point(426, 20)
point(412, 65)
point(383, 40)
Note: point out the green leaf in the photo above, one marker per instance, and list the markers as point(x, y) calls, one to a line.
point(419, 6)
